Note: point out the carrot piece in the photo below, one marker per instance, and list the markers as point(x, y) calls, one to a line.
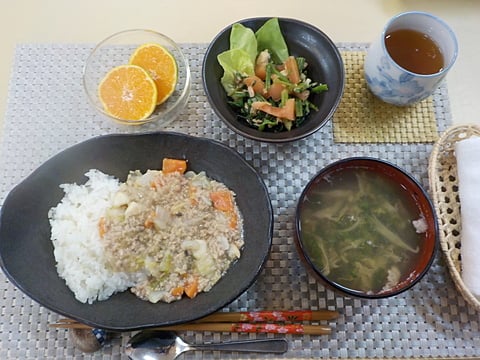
point(275, 91)
point(158, 182)
point(102, 227)
point(192, 194)
point(177, 291)
point(222, 200)
point(174, 165)
point(293, 73)
point(148, 223)
point(233, 220)
point(257, 85)
point(261, 64)
point(284, 112)
point(191, 288)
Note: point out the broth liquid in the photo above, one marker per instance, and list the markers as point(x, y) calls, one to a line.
point(344, 243)
point(414, 51)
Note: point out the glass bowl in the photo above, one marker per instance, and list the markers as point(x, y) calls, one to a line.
point(116, 50)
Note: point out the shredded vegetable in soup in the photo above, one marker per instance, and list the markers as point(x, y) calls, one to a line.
point(362, 231)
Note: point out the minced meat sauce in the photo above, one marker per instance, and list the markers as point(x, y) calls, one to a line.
point(179, 232)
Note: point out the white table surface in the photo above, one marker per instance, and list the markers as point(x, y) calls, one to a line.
point(195, 21)
point(89, 21)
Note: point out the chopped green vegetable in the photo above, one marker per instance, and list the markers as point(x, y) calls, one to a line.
point(320, 88)
point(264, 56)
point(235, 62)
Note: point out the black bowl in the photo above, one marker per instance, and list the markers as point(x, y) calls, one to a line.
point(412, 193)
point(325, 65)
point(26, 251)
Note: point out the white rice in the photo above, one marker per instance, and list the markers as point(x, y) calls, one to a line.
point(76, 240)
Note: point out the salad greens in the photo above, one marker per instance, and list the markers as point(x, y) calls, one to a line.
point(269, 87)
point(270, 37)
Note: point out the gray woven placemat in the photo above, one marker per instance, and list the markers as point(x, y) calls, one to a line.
point(47, 112)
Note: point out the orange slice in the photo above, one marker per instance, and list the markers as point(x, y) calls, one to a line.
point(128, 92)
point(161, 66)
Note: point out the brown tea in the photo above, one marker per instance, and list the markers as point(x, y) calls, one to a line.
point(414, 51)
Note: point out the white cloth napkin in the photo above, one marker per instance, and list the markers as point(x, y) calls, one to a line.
point(468, 167)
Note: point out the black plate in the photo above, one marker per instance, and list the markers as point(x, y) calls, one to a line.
point(26, 251)
point(325, 65)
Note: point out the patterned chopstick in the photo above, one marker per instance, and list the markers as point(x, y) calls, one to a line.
point(271, 316)
point(298, 329)
point(267, 321)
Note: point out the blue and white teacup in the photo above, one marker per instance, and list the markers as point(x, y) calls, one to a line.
point(393, 83)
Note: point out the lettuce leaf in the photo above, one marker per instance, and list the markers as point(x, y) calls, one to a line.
point(244, 48)
point(270, 37)
point(235, 61)
point(244, 38)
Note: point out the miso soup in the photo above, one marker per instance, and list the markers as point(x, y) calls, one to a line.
point(361, 229)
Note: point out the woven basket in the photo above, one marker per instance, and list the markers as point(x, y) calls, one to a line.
point(442, 173)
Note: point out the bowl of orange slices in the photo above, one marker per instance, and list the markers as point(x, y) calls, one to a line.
point(135, 77)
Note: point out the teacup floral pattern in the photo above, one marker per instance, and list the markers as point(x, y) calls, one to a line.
point(392, 83)
point(403, 89)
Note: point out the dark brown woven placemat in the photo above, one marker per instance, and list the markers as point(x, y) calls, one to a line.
point(363, 118)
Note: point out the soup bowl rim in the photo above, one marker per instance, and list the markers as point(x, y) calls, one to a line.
point(335, 286)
